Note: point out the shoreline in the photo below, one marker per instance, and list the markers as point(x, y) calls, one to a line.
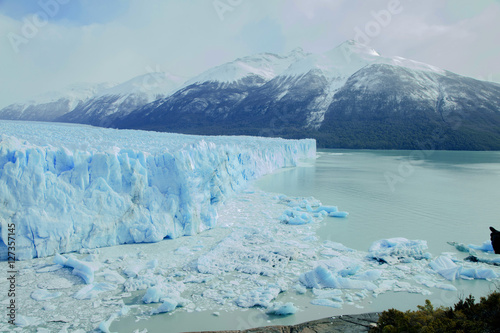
point(344, 323)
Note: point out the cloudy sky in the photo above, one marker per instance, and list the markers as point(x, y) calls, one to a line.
point(49, 44)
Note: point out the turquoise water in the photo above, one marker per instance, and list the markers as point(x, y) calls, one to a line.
point(437, 196)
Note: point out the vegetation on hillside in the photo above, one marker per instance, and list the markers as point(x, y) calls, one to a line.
point(464, 316)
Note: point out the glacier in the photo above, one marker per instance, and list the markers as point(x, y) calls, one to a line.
point(252, 263)
point(72, 187)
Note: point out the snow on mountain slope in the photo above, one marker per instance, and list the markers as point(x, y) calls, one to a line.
point(265, 66)
point(150, 85)
point(346, 59)
point(336, 66)
point(68, 187)
point(118, 101)
point(49, 106)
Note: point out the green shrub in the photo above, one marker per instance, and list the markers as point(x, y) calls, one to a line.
point(464, 316)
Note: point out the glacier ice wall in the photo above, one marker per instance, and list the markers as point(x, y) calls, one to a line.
point(68, 187)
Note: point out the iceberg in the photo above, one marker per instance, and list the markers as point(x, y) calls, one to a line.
point(72, 187)
point(395, 250)
point(321, 277)
point(485, 247)
point(167, 306)
point(82, 269)
point(280, 309)
point(449, 270)
point(338, 214)
point(261, 296)
point(326, 302)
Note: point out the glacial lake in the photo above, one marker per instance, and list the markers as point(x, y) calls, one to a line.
point(437, 196)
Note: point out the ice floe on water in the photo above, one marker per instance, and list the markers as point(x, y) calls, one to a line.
point(252, 259)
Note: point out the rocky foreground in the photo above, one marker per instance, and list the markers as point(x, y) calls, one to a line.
point(346, 324)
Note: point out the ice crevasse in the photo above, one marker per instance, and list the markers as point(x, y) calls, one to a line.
point(68, 187)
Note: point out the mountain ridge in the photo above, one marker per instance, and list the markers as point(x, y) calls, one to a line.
point(348, 97)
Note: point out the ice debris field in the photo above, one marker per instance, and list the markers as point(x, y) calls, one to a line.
point(249, 249)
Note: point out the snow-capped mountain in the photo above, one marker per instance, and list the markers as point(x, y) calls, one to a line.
point(96, 104)
point(51, 105)
point(256, 69)
point(350, 96)
point(118, 101)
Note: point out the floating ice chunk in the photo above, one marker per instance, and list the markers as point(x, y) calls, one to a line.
point(327, 209)
point(92, 290)
point(486, 273)
point(300, 289)
point(104, 326)
point(327, 293)
point(280, 309)
point(295, 218)
point(60, 260)
point(478, 273)
point(260, 296)
point(299, 220)
point(167, 306)
point(153, 295)
point(338, 214)
point(485, 247)
point(326, 302)
point(85, 270)
point(462, 247)
point(451, 271)
point(333, 295)
point(158, 293)
point(446, 286)
point(394, 250)
point(321, 277)
point(43, 295)
point(445, 267)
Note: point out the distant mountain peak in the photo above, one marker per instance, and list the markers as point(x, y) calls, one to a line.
point(150, 84)
point(266, 66)
point(353, 46)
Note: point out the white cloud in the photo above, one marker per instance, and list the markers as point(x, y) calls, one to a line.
point(187, 37)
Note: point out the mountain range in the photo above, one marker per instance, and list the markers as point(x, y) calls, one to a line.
point(348, 97)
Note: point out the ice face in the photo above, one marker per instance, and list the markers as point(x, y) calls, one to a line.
point(68, 187)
